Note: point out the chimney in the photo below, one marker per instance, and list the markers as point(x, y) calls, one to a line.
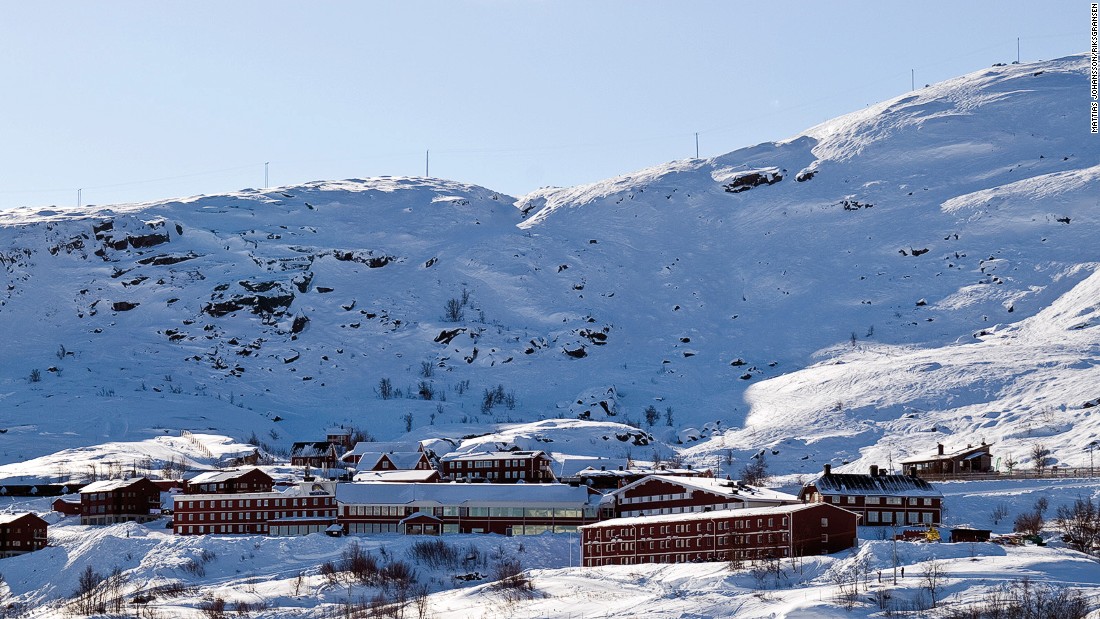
point(828, 469)
point(874, 470)
point(940, 447)
point(603, 467)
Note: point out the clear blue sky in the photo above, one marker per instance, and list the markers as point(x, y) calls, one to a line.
point(145, 100)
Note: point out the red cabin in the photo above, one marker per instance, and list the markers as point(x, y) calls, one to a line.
point(21, 533)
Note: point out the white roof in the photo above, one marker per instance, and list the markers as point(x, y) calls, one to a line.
point(566, 465)
point(772, 510)
point(302, 489)
point(400, 459)
point(491, 455)
point(363, 447)
point(721, 487)
point(214, 477)
point(460, 494)
point(107, 485)
point(9, 518)
point(399, 475)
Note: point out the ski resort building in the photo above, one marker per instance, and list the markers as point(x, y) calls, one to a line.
point(433, 509)
point(725, 535)
point(498, 466)
point(973, 459)
point(881, 499)
point(309, 507)
point(317, 454)
point(230, 482)
point(665, 494)
point(372, 451)
point(119, 500)
point(21, 533)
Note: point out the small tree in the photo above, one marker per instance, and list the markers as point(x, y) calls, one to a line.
point(35, 376)
point(1039, 457)
point(755, 472)
point(408, 419)
point(932, 578)
point(385, 388)
point(668, 416)
point(651, 415)
point(452, 311)
point(1010, 463)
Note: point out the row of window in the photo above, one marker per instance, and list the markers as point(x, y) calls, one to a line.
point(686, 557)
point(224, 516)
point(880, 500)
point(699, 527)
point(231, 503)
point(683, 496)
point(696, 542)
point(899, 517)
point(468, 512)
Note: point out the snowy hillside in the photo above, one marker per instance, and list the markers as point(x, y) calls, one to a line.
point(744, 297)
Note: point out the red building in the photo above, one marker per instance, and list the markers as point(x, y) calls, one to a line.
point(506, 509)
point(736, 534)
point(617, 477)
point(662, 494)
point(70, 506)
point(341, 437)
point(415, 476)
point(230, 482)
point(318, 454)
point(119, 500)
point(21, 533)
point(307, 508)
point(881, 499)
point(498, 466)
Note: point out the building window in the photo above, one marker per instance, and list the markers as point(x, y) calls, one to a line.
point(850, 500)
point(824, 522)
point(872, 516)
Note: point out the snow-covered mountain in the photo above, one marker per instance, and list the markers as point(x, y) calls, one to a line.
point(918, 269)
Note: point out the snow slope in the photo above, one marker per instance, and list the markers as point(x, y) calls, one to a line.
point(726, 290)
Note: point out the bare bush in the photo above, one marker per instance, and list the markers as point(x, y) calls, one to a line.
point(385, 389)
point(435, 554)
point(1025, 600)
point(1079, 524)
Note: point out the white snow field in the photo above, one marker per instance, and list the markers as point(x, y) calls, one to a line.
point(920, 271)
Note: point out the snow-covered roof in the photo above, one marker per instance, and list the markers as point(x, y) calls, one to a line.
point(400, 459)
point(461, 494)
point(773, 510)
point(379, 447)
point(490, 455)
point(721, 487)
point(216, 477)
point(971, 451)
point(9, 518)
point(849, 484)
point(302, 489)
point(109, 485)
point(398, 475)
point(566, 465)
point(311, 449)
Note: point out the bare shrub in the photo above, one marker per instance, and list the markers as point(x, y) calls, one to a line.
point(434, 554)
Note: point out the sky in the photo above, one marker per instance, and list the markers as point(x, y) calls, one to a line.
point(144, 100)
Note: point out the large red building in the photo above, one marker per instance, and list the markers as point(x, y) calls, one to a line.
point(507, 509)
point(230, 482)
point(307, 508)
point(663, 494)
point(500, 467)
point(21, 533)
point(119, 500)
point(881, 499)
point(725, 535)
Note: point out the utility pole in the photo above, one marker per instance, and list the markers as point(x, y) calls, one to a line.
point(78, 204)
point(426, 160)
point(696, 144)
point(266, 183)
point(912, 79)
point(1017, 50)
